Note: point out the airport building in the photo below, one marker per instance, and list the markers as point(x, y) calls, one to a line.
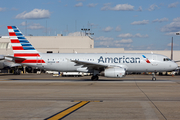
point(73, 44)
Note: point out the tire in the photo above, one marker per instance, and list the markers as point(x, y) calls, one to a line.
point(154, 79)
point(94, 78)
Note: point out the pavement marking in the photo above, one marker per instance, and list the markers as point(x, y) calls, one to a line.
point(66, 112)
point(88, 100)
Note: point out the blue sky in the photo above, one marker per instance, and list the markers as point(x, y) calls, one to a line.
point(129, 24)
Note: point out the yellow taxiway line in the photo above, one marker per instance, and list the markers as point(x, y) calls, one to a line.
point(64, 113)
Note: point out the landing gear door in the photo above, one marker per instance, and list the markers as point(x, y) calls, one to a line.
point(154, 60)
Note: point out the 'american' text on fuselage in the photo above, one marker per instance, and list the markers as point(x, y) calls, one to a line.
point(119, 59)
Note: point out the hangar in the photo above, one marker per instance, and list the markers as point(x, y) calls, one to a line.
point(73, 44)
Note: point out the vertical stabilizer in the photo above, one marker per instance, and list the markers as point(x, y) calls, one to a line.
point(24, 52)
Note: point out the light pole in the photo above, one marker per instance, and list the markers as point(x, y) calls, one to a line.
point(177, 33)
point(172, 49)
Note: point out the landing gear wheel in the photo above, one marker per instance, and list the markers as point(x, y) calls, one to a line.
point(17, 72)
point(94, 78)
point(97, 77)
point(154, 79)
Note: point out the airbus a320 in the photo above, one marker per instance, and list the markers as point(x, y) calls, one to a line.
point(108, 65)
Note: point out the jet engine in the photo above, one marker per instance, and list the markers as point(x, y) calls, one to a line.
point(2, 57)
point(115, 72)
point(2, 64)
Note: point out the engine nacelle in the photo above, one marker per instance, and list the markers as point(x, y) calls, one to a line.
point(2, 64)
point(115, 72)
point(2, 57)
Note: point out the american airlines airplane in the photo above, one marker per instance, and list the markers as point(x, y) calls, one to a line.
point(108, 65)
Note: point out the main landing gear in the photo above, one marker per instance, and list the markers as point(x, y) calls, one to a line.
point(95, 75)
point(153, 77)
point(94, 78)
point(17, 72)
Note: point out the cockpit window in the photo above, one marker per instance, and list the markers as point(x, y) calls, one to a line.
point(167, 59)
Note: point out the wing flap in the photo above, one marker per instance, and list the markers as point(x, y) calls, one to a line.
point(90, 65)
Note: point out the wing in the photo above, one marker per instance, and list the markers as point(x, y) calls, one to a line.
point(95, 66)
point(177, 61)
point(9, 61)
point(15, 59)
point(11, 64)
point(90, 65)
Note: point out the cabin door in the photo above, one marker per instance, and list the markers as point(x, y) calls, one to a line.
point(154, 60)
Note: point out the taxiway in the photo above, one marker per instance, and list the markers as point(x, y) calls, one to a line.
point(39, 97)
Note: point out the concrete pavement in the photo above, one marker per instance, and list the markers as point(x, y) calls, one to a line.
point(38, 97)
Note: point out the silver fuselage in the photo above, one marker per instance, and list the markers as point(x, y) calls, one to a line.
point(130, 61)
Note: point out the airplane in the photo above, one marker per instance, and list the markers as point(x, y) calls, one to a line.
point(6, 63)
point(108, 65)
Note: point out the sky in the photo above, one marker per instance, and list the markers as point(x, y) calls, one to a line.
point(128, 24)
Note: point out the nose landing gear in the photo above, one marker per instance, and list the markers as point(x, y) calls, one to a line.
point(153, 77)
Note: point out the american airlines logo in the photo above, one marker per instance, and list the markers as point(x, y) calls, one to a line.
point(123, 59)
point(146, 59)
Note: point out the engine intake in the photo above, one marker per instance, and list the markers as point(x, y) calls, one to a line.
point(2, 57)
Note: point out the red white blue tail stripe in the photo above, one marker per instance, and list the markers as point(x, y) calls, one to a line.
point(23, 50)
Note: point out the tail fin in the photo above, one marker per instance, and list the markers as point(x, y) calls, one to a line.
point(22, 48)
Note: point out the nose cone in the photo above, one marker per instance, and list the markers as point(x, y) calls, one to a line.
point(174, 65)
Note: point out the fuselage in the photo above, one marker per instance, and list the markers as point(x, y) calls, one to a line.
point(130, 61)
